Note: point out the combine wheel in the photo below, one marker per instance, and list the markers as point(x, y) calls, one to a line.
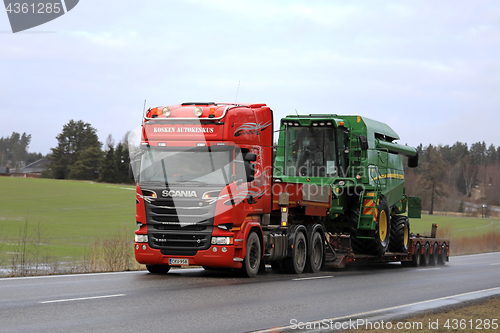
point(158, 269)
point(443, 257)
point(251, 263)
point(435, 254)
point(417, 256)
point(427, 255)
point(400, 234)
point(315, 256)
point(379, 245)
point(297, 263)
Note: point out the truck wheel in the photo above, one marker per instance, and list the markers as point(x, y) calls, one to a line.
point(251, 263)
point(417, 256)
point(435, 254)
point(443, 257)
point(427, 255)
point(378, 246)
point(297, 263)
point(158, 269)
point(315, 257)
point(400, 234)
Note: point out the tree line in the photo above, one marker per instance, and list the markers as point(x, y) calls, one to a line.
point(14, 151)
point(450, 178)
point(80, 155)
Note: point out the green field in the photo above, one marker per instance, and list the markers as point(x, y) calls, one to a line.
point(454, 227)
point(72, 214)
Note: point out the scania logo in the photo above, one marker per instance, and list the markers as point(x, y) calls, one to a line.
point(174, 194)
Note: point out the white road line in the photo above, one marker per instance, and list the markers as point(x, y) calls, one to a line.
point(315, 277)
point(494, 264)
point(318, 322)
point(427, 269)
point(81, 299)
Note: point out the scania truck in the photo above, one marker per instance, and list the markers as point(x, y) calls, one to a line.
point(213, 190)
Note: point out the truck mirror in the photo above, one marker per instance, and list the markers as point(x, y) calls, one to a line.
point(250, 157)
point(133, 168)
point(363, 142)
point(413, 161)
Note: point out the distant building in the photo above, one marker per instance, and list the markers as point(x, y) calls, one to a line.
point(4, 171)
point(33, 170)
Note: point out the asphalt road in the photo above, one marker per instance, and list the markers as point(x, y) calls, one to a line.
point(194, 300)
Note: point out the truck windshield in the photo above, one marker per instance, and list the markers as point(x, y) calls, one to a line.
point(310, 152)
point(198, 165)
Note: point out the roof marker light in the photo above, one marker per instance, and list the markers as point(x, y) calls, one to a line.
point(198, 111)
point(167, 111)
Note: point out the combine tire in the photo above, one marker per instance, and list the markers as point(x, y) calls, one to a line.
point(251, 263)
point(380, 243)
point(417, 256)
point(297, 262)
point(400, 234)
point(315, 256)
point(435, 254)
point(427, 255)
point(158, 269)
point(356, 244)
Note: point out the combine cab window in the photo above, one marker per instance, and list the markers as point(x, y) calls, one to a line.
point(310, 152)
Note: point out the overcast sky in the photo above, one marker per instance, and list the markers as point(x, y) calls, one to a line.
point(430, 69)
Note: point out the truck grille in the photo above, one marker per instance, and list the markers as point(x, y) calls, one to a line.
point(180, 226)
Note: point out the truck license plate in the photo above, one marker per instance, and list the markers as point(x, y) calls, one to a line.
point(178, 261)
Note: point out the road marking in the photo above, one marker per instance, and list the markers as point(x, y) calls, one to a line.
point(497, 263)
point(360, 315)
point(427, 269)
point(81, 299)
point(315, 277)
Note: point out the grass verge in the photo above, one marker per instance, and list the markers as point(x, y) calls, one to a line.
point(474, 316)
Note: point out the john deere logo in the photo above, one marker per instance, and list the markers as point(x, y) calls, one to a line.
point(26, 14)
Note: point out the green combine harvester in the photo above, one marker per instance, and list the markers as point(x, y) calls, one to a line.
point(360, 161)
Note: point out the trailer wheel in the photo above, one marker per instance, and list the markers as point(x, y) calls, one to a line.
point(400, 234)
point(158, 269)
point(417, 256)
point(251, 263)
point(435, 254)
point(297, 262)
point(443, 257)
point(315, 257)
point(427, 255)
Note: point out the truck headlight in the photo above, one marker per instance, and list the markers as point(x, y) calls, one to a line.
point(222, 240)
point(141, 238)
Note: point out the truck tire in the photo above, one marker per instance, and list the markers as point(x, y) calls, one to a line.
point(158, 269)
point(427, 255)
point(251, 263)
point(297, 262)
point(435, 254)
point(315, 256)
point(417, 256)
point(379, 245)
point(400, 234)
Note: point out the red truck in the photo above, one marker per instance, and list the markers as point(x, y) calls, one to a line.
point(209, 193)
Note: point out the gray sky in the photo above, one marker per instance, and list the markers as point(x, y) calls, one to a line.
point(430, 69)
